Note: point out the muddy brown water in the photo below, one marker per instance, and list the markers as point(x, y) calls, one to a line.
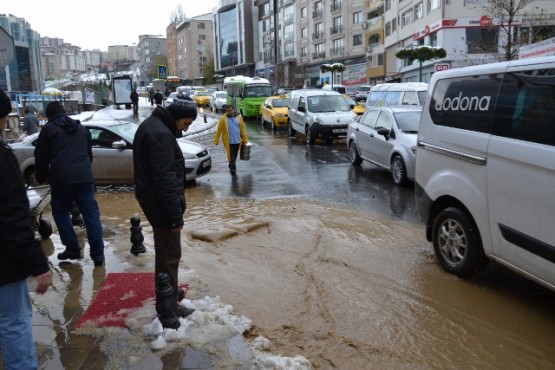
point(348, 289)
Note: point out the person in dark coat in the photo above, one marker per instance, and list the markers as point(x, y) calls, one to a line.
point(151, 96)
point(21, 256)
point(63, 156)
point(160, 184)
point(158, 97)
point(30, 121)
point(135, 102)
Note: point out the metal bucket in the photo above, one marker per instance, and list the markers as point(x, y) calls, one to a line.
point(245, 152)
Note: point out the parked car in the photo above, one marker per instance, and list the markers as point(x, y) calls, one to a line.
point(361, 93)
point(386, 137)
point(201, 98)
point(318, 112)
point(113, 154)
point(274, 110)
point(218, 101)
point(356, 108)
point(170, 99)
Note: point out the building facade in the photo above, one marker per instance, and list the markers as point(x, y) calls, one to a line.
point(152, 51)
point(195, 48)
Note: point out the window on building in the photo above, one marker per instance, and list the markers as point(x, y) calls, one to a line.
point(304, 32)
point(338, 44)
point(419, 11)
point(266, 10)
point(388, 29)
point(200, 25)
point(406, 18)
point(304, 51)
point(289, 31)
point(289, 49)
point(481, 40)
point(304, 12)
point(387, 5)
point(433, 5)
point(319, 28)
point(319, 48)
point(202, 37)
point(357, 40)
point(433, 39)
point(288, 13)
point(338, 24)
point(394, 25)
point(357, 17)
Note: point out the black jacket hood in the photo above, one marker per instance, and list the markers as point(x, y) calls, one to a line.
point(163, 115)
point(68, 124)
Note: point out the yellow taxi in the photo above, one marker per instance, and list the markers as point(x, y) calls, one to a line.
point(274, 110)
point(356, 108)
point(202, 98)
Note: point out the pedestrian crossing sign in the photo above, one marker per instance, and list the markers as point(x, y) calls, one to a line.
point(162, 72)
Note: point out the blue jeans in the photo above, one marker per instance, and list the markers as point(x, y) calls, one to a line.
point(62, 197)
point(16, 334)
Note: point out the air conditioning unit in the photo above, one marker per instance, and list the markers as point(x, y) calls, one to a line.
point(365, 25)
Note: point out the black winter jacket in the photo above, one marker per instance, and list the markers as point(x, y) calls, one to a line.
point(159, 169)
point(63, 154)
point(21, 254)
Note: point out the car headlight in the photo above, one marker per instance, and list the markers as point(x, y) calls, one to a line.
point(189, 156)
point(317, 119)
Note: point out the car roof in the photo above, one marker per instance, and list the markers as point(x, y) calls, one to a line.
point(314, 92)
point(107, 124)
point(396, 108)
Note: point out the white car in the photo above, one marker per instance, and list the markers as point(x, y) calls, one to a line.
point(171, 98)
point(218, 101)
point(113, 154)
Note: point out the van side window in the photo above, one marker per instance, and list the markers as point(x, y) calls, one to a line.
point(376, 98)
point(465, 102)
point(392, 98)
point(410, 98)
point(526, 107)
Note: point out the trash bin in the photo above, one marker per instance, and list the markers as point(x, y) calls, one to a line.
point(245, 152)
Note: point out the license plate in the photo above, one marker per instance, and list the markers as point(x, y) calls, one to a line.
point(206, 163)
point(339, 130)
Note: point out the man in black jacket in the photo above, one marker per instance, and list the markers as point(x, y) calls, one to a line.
point(160, 184)
point(63, 156)
point(21, 256)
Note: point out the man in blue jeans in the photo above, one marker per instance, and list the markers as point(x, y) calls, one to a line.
point(63, 156)
point(21, 256)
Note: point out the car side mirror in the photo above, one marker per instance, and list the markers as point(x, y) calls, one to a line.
point(120, 144)
point(384, 131)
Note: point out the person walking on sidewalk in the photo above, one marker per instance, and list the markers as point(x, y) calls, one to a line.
point(30, 121)
point(63, 156)
point(231, 129)
point(135, 102)
point(160, 184)
point(158, 97)
point(21, 256)
point(151, 96)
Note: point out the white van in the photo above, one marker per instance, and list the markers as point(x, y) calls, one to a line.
point(485, 168)
point(403, 93)
point(336, 87)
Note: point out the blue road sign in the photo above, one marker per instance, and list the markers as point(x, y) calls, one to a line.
point(162, 72)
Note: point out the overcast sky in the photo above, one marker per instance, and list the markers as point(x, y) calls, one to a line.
point(100, 23)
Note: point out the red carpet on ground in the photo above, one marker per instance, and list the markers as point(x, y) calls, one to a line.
point(118, 296)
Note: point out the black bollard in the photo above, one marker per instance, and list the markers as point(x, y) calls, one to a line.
point(165, 302)
point(137, 237)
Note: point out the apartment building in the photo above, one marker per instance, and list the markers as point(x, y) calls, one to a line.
point(194, 48)
point(151, 52)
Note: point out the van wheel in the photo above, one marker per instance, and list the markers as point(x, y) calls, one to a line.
point(399, 171)
point(353, 153)
point(310, 137)
point(457, 243)
point(292, 132)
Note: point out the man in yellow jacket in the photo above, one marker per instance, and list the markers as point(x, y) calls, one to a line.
point(231, 128)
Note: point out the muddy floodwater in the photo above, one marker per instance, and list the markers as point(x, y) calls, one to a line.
point(348, 289)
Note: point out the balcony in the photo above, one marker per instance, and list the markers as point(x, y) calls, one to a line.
point(337, 51)
point(336, 6)
point(375, 23)
point(317, 13)
point(319, 55)
point(374, 4)
point(317, 35)
point(336, 29)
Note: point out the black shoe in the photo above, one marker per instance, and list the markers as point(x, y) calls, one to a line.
point(67, 255)
point(98, 263)
point(183, 311)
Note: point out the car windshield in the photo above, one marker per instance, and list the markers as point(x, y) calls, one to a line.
point(203, 93)
point(125, 130)
point(281, 103)
point(328, 103)
point(252, 91)
point(221, 95)
point(408, 121)
point(172, 95)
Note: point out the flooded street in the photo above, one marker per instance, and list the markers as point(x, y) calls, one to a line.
point(348, 289)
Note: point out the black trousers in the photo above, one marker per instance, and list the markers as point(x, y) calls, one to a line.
point(233, 151)
point(167, 254)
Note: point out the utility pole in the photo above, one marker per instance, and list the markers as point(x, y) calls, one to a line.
point(276, 40)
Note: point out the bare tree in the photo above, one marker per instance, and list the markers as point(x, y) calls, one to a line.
point(177, 16)
point(508, 14)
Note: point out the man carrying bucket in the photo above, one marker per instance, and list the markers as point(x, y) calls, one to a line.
point(231, 128)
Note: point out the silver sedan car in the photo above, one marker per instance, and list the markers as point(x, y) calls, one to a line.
point(113, 154)
point(386, 137)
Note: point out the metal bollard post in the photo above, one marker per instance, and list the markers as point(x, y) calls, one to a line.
point(137, 237)
point(165, 302)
